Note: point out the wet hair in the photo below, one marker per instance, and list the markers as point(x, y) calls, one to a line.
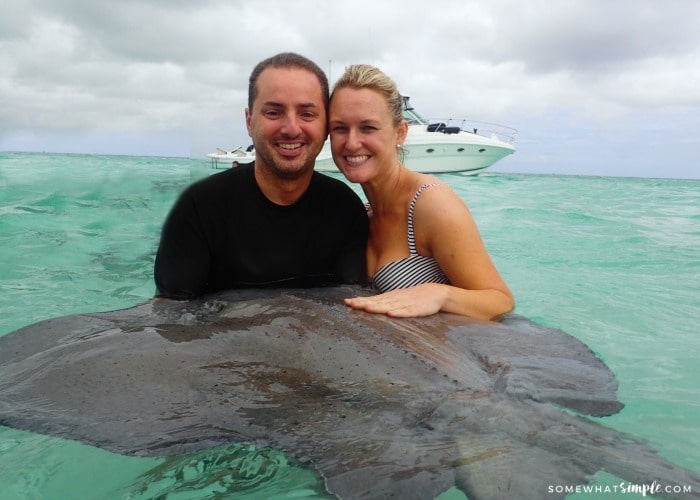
point(286, 60)
point(365, 76)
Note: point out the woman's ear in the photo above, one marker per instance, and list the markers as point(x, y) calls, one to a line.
point(402, 132)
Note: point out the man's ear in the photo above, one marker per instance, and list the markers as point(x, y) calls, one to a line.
point(247, 121)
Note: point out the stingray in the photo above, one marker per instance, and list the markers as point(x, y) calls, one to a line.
point(381, 407)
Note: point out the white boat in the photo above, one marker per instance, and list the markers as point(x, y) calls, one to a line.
point(227, 159)
point(431, 146)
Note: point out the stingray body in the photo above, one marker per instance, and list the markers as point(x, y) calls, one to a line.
point(381, 407)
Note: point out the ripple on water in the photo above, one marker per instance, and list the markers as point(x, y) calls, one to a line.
point(615, 262)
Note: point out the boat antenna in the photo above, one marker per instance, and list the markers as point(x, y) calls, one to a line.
point(330, 69)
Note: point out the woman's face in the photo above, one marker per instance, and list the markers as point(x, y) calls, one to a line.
point(363, 137)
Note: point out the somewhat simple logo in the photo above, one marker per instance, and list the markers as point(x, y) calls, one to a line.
point(645, 489)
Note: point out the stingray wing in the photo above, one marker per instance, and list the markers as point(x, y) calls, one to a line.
point(169, 378)
point(380, 406)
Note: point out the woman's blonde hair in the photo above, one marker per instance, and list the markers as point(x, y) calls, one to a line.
point(365, 76)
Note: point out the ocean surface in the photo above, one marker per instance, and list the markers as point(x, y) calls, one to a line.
point(612, 261)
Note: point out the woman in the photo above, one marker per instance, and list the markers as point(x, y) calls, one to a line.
point(424, 251)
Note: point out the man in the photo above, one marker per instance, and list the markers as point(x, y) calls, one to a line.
point(276, 223)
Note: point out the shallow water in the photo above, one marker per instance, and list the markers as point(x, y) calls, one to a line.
point(613, 261)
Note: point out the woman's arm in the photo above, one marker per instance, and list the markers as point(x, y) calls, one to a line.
point(446, 231)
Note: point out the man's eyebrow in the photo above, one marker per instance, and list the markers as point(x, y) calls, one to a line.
point(275, 104)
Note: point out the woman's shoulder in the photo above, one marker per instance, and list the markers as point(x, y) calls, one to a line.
point(431, 190)
point(439, 204)
point(422, 183)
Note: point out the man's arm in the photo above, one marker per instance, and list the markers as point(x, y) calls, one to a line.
point(183, 259)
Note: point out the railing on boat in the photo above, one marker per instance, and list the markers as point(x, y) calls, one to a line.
point(486, 129)
point(451, 125)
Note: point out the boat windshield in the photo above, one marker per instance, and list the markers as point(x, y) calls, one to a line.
point(410, 114)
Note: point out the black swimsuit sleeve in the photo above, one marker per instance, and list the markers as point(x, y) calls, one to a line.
point(183, 258)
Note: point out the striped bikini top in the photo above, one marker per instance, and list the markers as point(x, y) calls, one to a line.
point(412, 270)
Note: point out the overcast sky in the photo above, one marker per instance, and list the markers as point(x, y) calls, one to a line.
point(595, 87)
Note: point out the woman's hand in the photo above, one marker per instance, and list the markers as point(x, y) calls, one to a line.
point(430, 298)
point(420, 300)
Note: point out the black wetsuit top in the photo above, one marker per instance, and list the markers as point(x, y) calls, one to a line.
point(223, 233)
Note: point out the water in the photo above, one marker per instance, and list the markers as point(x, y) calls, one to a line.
point(613, 261)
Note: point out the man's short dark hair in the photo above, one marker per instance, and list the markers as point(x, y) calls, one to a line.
point(286, 60)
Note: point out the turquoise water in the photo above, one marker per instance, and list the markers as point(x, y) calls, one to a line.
point(613, 261)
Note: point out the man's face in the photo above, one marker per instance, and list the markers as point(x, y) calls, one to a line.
point(287, 122)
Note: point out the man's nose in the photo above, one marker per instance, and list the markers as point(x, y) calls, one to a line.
point(292, 125)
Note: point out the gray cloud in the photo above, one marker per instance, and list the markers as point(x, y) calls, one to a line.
point(75, 72)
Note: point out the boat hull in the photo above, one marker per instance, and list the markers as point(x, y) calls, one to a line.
point(435, 152)
point(443, 159)
point(227, 159)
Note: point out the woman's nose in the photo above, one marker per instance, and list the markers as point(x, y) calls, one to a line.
point(353, 140)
